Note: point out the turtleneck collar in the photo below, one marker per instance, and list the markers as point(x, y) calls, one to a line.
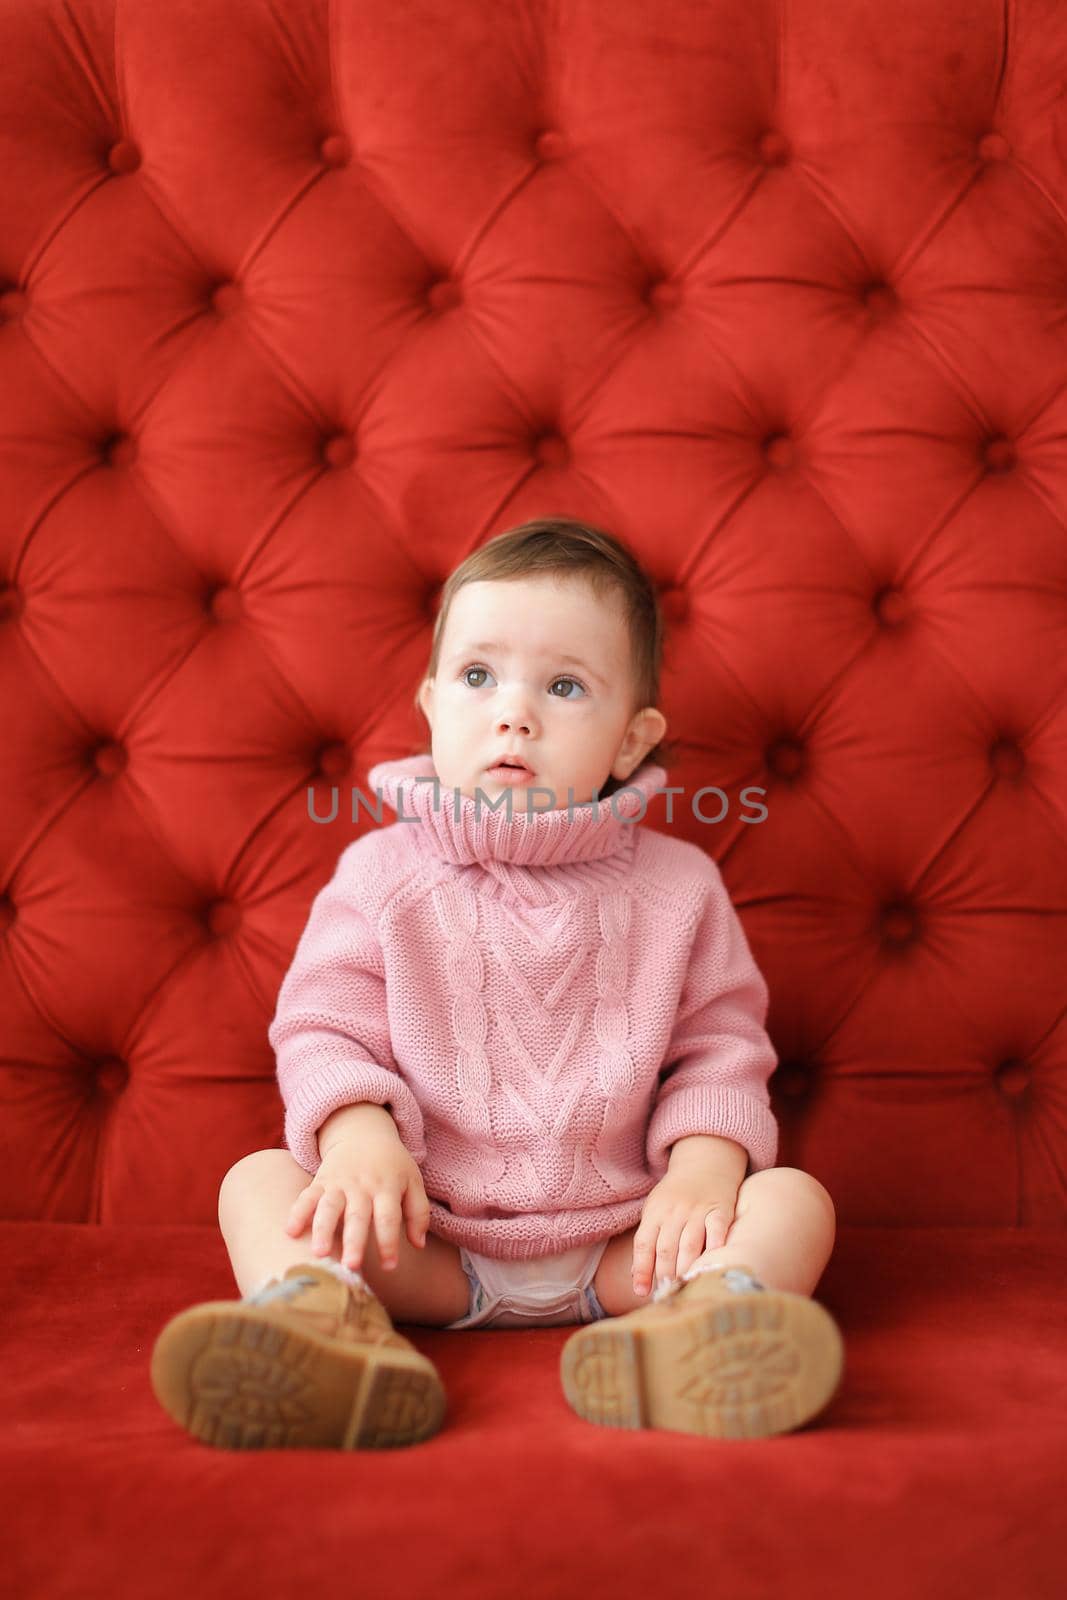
point(464, 830)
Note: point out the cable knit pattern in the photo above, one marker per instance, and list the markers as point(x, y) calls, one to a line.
point(544, 1003)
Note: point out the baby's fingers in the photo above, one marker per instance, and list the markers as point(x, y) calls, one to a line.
point(387, 1226)
point(417, 1214)
point(302, 1208)
point(644, 1252)
point(330, 1209)
point(357, 1223)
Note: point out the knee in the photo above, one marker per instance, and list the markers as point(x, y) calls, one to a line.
point(252, 1171)
point(794, 1181)
point(816, 1192)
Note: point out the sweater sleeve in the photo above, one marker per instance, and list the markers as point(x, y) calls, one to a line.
point(719, 1057)
point(330, 1030)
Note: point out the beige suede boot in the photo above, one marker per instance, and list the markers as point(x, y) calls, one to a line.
point(309, 1362)
point(718, 1354)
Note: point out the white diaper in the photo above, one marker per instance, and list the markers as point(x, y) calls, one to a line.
point(542, 1293)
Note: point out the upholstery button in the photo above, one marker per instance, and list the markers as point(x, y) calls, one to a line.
point(109, 759)
point(112, 1077)
point(779, 450)
point(223, 917)
point(898, 924)
point(334, 760)
point(792, 1078)
point(665, 295)
point(891, 606)
point(226, 298)
point(993, 147)
point(10, 603)
point(225, 603)
point(119, 450)
point(786, 757)
point(432, 602)
point(334, 150)
point(443, 294)
point(12, 303)
point(1006, 758)
point(124, 156)
point(1012, 1077)
point(879, 300)
point(674, 603)
point(340, 451)
point(999, 454)
point(551, 450)
point(773, 148)
point(7, 913)
point(549, 145)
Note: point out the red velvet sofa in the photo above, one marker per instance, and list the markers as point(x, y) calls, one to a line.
point(298, 303)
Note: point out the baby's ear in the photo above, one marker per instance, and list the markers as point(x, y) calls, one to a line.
point(422, 697)
point(645, 731)
point(655, 725)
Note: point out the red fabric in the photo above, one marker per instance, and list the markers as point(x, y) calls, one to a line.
point(937, 1470)
point(298, 304)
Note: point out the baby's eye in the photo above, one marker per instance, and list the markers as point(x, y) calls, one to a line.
point(465, 677)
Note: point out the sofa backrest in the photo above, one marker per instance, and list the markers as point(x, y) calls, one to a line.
point(298, 306)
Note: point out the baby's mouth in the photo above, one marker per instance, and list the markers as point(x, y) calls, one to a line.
point(509, 771)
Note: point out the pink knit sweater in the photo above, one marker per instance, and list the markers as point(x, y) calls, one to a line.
point(544, 1005)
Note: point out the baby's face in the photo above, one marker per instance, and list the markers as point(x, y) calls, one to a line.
point(536, 667)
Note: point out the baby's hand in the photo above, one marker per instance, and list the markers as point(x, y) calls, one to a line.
point(689, 1211)
point(359, 1179)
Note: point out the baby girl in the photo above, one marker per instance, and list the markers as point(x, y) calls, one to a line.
point(522, 1054)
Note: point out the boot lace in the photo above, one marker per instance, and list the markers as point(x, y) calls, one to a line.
point(283, 1289)
point(734, 1278)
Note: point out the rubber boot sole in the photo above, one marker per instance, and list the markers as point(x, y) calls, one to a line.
point(244, 1377)
point(738, 1366)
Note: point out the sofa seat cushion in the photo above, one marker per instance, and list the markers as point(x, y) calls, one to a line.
point(947, 1435)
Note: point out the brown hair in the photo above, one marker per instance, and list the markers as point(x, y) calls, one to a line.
point(573, 549)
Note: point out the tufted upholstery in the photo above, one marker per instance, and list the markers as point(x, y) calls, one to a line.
point(300, 303)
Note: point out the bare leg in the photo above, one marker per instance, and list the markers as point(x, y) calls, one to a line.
point(426, 1286)
point(783, 1229)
